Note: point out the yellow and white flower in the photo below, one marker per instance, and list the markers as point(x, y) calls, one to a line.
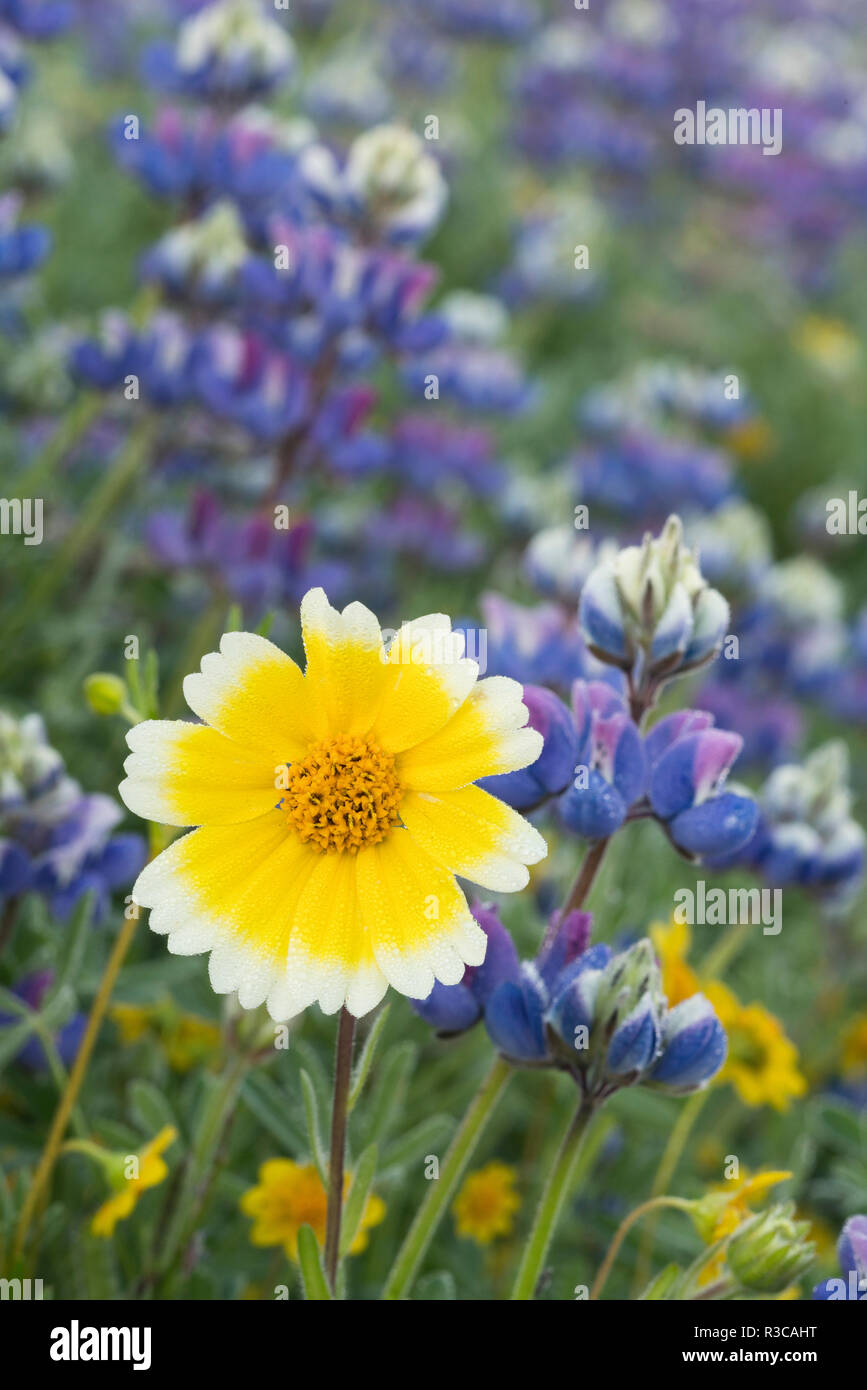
point(334, 809)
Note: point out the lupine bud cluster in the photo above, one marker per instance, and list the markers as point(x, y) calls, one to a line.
point(649, 604)
point(54, 838)
point(601, 768)
point(600, 1015)
point(805, 834)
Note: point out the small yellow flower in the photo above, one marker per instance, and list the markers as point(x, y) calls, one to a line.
point(854, 1059)
point(829, 344)
point(671, 943)
point(486, 1204)
point(186, 1039)
point(150, 1169)
point(726, 1206)
point(335, 808)
point(751, 439)
point(762, 1062)
point(291, 1195)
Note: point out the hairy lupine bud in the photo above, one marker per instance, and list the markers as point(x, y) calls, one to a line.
point(105, 693)
point(770, 1250)
point(652, 600)
point(693, 1049)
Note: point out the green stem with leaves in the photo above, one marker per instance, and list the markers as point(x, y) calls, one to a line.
point(440, 1191)
point(553, 1199)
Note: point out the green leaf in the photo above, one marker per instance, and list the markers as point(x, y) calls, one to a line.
point(365, 1060)
point(664, 1287)
point(437, 1287)
point(268, 1104)
point(149, 1107)
point(426, 1137)
point(312, 1277)
point(353, 1211)
point(73, 946)
point(317, 1152)
point(390, 1090)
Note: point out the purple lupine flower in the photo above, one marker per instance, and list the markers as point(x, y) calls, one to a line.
point(250, 158)
point(852, 1254)
point(37, 19)
point(689, 761)
point(260, 566)
point(610, 771)
point(541, 645)
point(642, 477)
point(239, 377)
point(553, 770)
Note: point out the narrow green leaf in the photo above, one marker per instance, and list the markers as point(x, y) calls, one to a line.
point(149, 1107)
point(353, 1211)
point(312, 1277)
point(429, 1136)
point(365, 1060)
point(436, 1288)
point(317, 1152)
point(268, 1104)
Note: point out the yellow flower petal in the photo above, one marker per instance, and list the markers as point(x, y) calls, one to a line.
point(419, 924)
point(474, 835)
point(188, 774)
point(486, 736)
point(255, 694)
point(346, 672)
point(430, 679)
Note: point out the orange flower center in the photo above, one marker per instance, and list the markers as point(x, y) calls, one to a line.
point(343, 795)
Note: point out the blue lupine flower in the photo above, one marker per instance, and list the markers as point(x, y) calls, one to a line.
point(541, 645)
point(804, 833)
point(554, 769)
point(37, 19)
point(240, 378)
point(852, 1254)
point(641, 476)
point(389, 185)
point(250, 158)
point(23, 247)
point(259, 566)
point(610, 767)
point(689, 762)
point(228, 51)
point(55, 839)
point(598, 1015)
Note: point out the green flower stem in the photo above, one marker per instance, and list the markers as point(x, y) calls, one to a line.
point(671, 1155)
point(202, 1163)
point(439, 1193)
point(115, 483)
point(557, 1188)
point(339, 1114)
point(74, 424)
point(717, 961)
point(653, 1204)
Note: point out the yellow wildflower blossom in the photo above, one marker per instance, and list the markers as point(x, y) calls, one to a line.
point(291, 1195)
point(486, 1204)
point(335, 808)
